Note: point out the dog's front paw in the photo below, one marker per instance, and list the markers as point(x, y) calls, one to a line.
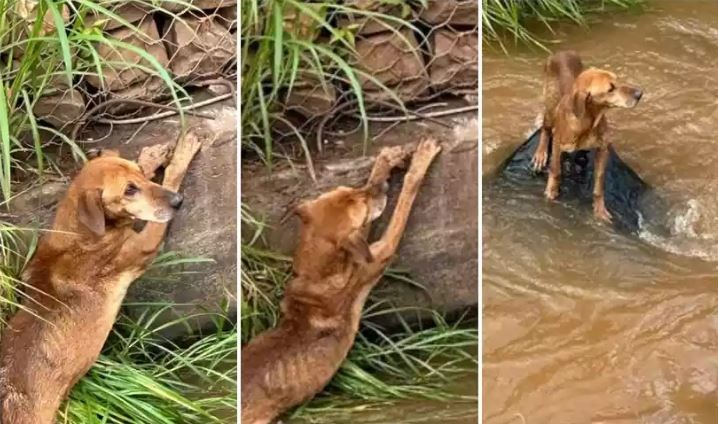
point(427, 150)
point(601, 213)
point(187, 147)
point(395, 156)
point(551, 191)
point(539, 160)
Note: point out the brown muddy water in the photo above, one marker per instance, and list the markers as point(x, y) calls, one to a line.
point(583, 324)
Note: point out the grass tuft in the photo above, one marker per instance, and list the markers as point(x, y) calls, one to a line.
point(143, 378)
point(517, 19)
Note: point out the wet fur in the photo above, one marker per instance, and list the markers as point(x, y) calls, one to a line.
point(335, 268)
point(77, 279)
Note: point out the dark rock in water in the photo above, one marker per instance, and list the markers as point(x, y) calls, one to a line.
point(624, 189)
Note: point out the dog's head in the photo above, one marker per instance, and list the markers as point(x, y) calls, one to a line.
point(112, 189)
point(600, 88)
point(342, 215)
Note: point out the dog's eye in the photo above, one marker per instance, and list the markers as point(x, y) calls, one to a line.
point(611, 88)
point(131, 189)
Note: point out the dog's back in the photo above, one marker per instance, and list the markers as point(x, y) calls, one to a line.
point(560, 71)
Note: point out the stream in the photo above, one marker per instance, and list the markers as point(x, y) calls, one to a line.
point(582, 323)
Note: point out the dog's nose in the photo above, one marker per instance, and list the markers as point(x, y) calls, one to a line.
point(176, 200)
point(637, 94)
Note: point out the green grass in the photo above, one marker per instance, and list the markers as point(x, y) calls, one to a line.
point(145, 379)
point(274, 57)
point(385, 365)
point(520, 20)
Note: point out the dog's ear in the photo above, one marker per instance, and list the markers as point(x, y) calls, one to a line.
point(90, 211)
point(579, 102)
point(358, 247)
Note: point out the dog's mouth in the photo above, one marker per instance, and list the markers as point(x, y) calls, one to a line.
point(160, 214)
point(163, 215)
point(631, 96)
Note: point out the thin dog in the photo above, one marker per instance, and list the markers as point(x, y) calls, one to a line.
point(334, 268)
point(575, 104)
point(78, 276)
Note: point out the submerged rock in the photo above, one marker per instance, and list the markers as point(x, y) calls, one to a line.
point(624, 189)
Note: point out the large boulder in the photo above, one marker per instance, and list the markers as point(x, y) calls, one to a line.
point(440, 246)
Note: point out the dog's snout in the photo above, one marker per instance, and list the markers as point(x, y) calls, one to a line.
point(637, 94)
point(176, 200)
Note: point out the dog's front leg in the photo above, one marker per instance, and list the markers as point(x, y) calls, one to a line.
point(599, 175)
point(540, 157)
point(149, 239)
point(383, 249)
point(554, 173)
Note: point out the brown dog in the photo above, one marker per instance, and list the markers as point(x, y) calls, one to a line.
point(79, 274)
point(335, 268)
point(575, 103)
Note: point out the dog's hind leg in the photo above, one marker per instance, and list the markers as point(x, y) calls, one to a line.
point(383, 249)
point(551, 98)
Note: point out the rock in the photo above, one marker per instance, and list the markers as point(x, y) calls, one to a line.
point(394, 59)
point(205, 226)
point(368, 25)
point(131, 12)
point(151, 89)
point(452, 12)
point(300, 24)
point(440, 246)
point(27, 11)
point(172, 6)
point(455, 61)
point(62, 109)
point(56, 82)
point(227, 16)
point(624, 190)
point(199, 47)
point(37, 198)
point(311, 97)
point(123, 72)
